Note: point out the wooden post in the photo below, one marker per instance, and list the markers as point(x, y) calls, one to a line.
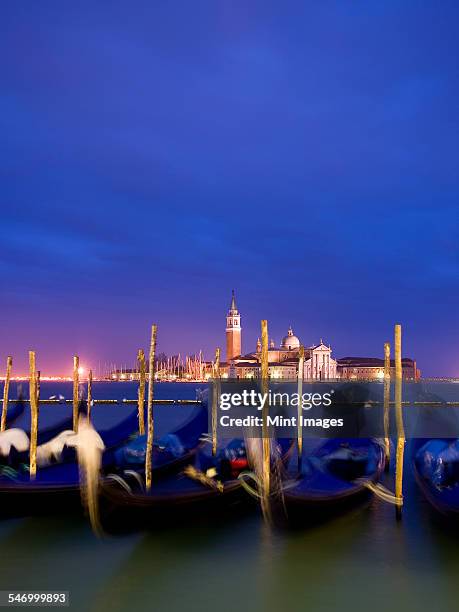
point(215, 395)
point(151, 380)
point(266, 439)
point(89, 394)
point(76, 399)
point(37, 387)
point(6, 390)
point(386, 402)
point(34, 402)
point(141, 392)
point(300, 406)
point(399, 420)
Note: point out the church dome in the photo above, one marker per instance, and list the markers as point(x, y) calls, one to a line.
point(290, 341)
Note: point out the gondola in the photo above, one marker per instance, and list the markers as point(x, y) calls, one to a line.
point(53, 419)
point(14, 442)
point(436, 470)
point(435, 459)
point(57, 486)
point(333, 476)
point(14, 412)
point(111, 422)
point(210, 488)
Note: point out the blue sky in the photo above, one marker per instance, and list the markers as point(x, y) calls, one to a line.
point(157, 155)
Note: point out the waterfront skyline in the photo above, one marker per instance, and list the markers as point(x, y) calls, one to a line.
point(152, 164)
point(105, 368)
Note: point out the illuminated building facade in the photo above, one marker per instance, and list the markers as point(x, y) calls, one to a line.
point(283, 360)
point(372, 368)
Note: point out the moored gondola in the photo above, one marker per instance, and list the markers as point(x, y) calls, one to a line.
point(53, 419)
point(333, 476)
point(435, 459)
point(436, 470)
point(209, 489)
point(57, 486)
point(14, 412)
point(112, 423)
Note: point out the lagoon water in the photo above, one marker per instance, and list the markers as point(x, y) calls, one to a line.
point(362, 560)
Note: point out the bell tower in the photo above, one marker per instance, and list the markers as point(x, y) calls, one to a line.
point(233, 331)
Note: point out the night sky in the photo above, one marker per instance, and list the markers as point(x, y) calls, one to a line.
point(156, 155)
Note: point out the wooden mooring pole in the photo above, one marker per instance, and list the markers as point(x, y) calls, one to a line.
point(141, 391)
point(399, 421)
point(76, 398)
point(266, 432)
point(89, 403)
point(215, 397)
point(386, 402)
point(34, 402)
point(38, 389)
point(151, 381)
point(300, 406)
point(6, 390)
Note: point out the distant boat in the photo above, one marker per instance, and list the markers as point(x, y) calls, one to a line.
point(59, 398)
